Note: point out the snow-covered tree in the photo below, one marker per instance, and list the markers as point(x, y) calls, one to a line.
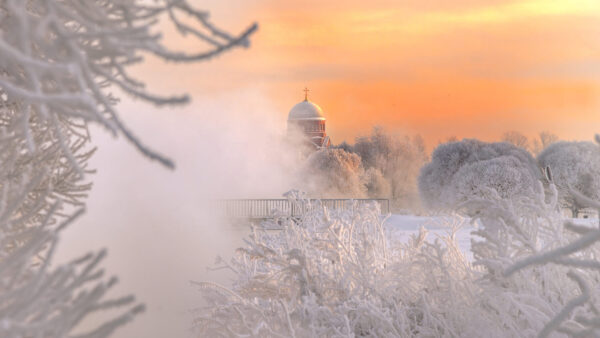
point(575, 166)
point(398, 159)
point(505, 176)
point(333, 173)
point(59, 62)
point(345, 146)
point(458, 169)
point(376, 184)
point(379, 165)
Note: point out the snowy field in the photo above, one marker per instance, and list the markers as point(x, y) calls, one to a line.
point(402, 227)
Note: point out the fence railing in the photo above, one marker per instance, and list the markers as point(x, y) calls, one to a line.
point(268, 208)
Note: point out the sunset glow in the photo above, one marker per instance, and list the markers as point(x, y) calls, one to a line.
point(438, 68)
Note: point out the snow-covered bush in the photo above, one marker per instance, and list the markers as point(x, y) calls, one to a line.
point(523, 301)
point(573, 258)
point(335, 273)
point(463, 170)
point(575, 166)
point(58, 61)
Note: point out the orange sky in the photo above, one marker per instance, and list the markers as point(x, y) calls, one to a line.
point(440, 68)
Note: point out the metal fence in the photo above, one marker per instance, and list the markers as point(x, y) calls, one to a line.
point(268, 208)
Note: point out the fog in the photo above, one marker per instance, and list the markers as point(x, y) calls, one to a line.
point(154, 221)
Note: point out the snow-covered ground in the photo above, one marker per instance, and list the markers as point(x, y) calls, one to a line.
point(401, 227)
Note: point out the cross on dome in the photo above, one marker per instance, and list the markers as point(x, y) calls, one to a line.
point(306, 90)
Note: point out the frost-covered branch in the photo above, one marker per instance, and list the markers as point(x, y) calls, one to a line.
point(59, 58)
point(42, 192)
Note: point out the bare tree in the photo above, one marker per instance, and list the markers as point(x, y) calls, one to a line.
point(516, 138)
point(545, 138)
point(451, 138)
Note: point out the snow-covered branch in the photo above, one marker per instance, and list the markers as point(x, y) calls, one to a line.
point(58, 61)
point(335, 273)
point(58, 58)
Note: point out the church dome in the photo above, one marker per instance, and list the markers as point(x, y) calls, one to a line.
point(306, 110)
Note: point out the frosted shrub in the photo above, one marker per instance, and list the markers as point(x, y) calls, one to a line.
point(335, 273)
point(59, 59)
point(511, 230)
point(574, 260)
point(574, 165)
point(538, 268)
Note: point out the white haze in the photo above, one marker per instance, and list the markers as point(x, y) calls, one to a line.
point(154, 221)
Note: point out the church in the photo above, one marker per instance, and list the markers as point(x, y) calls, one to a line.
point(307, 118)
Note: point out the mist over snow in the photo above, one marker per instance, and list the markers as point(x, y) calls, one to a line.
point(157, 223)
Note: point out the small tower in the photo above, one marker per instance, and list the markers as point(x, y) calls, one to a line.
point(308, 118)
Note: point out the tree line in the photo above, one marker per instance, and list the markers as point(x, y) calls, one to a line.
point(379, 165)
point(398, 167)
point(513, 169)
